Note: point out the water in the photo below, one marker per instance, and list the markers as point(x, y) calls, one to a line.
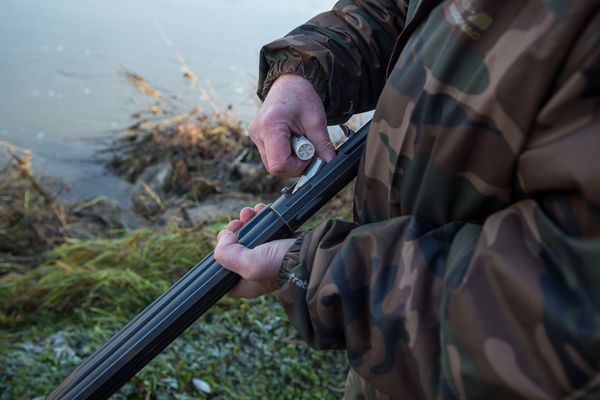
point(62, 94)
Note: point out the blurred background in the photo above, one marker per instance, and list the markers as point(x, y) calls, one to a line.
point(60, 63)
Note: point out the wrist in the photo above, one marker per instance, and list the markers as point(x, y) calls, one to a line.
point(302, 88)
point(281, 65)
point(293, 80)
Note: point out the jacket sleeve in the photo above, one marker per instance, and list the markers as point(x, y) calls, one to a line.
point(343, 52)
point(506, 308)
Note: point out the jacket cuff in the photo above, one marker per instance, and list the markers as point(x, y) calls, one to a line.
point(293, 286)
point(293, 271)
point(285, 65)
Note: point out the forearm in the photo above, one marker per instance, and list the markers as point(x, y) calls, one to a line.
point(344, 53)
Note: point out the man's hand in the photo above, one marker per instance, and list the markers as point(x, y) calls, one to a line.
point(292, 106)
point(259, 266)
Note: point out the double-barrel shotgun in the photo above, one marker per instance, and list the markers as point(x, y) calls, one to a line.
point(138, 342)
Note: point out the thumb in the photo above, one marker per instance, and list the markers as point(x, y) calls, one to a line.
point(227, 251)
point(324, 149)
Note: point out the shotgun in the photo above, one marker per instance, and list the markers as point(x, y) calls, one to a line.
point(138, 342)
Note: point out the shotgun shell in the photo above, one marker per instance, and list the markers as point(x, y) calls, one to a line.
point(302, 147)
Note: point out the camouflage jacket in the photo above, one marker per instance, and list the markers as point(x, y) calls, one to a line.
point(472, 269)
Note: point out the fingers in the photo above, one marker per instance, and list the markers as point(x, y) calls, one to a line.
point(237, 258)
point(234, 225)
point(280, 159)
point(292, 106)
point(261, 263)
point(272, 139)
point(314, 126)
point(246, 214)
point(258, 267)
point(270, 131)
point(228, 251)
point(324, 148)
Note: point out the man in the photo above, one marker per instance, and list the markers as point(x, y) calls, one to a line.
point(472, 267)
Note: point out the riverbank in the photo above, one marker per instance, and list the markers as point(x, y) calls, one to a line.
point(72, 273)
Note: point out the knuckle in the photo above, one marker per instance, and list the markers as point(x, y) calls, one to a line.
point(218, 253)
point(268, 117)
point(314, 120)
point(273, 120)
point(277, 167)
point(221, 254)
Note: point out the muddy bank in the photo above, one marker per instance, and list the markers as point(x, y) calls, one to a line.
point(189, 166)
point(33, 220)
point(172, 154)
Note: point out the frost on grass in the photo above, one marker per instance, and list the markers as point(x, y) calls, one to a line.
point(85, 287)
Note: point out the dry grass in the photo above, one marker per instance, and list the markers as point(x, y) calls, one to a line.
point(122, 274)
point(206, 151)
point(31, 219)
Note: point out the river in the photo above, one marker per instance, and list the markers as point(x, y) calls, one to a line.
point(62, 94)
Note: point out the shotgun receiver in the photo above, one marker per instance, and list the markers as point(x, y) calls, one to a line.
point(134, 346)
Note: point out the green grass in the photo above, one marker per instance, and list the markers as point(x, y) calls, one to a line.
point(56, 315)
point(245, 350)
point(88, 279)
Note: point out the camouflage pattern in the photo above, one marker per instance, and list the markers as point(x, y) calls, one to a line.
point(472, 269)
point(356, 388)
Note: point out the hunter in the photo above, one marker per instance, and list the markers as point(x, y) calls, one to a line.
point(472, 266)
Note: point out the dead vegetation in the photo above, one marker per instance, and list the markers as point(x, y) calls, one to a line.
point(171, 154)
point(184, 164)
point(31, 220)
point(189, 165)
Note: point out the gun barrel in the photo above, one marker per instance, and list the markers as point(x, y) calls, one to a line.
point(138, 342)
